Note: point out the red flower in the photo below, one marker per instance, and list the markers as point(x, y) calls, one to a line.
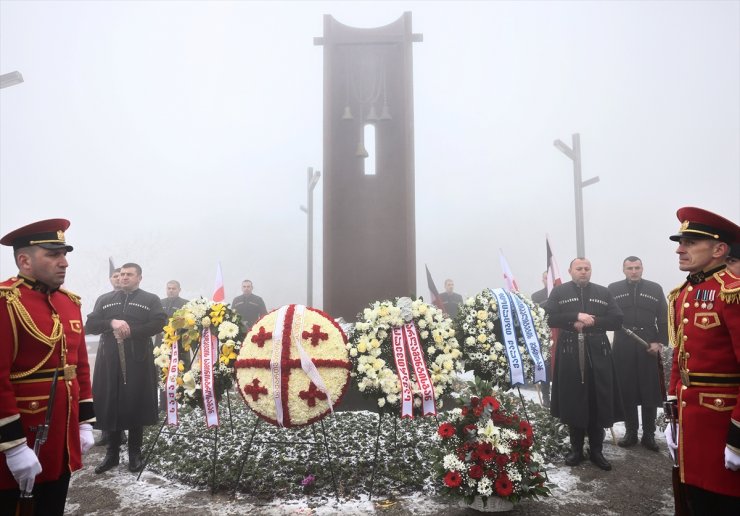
point(502, 460)
point(493, 402)
point(446, 430)
point(470, 428)
point(477, 411)
point(474, 400)
point(475, 471)
point(465, 411)
point(504, 487)
point(453, 479)
point(485, 452)
point(515, 457)
point(525, 427)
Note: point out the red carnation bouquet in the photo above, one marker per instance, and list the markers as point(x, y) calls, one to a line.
point(485, 449)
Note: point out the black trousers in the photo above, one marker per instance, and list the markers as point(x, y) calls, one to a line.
point(707, 503)
point(49, 498)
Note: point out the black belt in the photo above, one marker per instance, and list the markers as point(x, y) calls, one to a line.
point(709, 379)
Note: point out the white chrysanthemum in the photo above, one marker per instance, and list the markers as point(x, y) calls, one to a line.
point(485, 487)
point(451, 463)
point(227, 330)
point(513, 473)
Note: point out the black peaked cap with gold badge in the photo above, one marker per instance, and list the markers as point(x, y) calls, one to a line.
point(48, 234)
point(697, 223)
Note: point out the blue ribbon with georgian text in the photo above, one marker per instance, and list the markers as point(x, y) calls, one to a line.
point(516, 369)
point(528, 331)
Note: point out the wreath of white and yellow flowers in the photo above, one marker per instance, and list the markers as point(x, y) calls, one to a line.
point(479, 329)
point(371, 351)
point(186, 327)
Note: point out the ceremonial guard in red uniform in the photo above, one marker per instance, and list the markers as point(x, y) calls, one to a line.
point(704, 329)
point(42, 357)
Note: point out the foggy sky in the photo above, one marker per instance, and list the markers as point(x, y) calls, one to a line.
point(177, 134)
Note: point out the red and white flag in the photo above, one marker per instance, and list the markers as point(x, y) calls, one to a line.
point(508, 275)
point(218, 290)
point(553, 273)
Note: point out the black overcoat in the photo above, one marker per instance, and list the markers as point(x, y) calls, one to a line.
point(645, 313)
point(133, 404)
point(569, 390)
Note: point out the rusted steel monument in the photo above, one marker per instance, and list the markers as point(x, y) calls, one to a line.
point(369, 228)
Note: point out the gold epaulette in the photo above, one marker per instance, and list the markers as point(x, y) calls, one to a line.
point(673, 294)
point(730, 290)
point(5, 290)
point(74, 297)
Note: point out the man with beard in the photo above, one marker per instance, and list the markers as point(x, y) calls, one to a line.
point(704, 330)
point(43, 355)
point(127, 320)
point(645, 314)
point(585, 395)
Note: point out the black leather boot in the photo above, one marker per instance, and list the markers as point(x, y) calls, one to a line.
point(135, 439)
point(631, 423)
point(598, 458)
point(648, 428)
point(103, 441)
point(112, 453)
point(575, 455)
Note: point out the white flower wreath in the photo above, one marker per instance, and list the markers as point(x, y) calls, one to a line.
point(371, 351)
point(186, 326)
point(479, 329)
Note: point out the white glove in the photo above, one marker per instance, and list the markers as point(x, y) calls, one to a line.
point(732, 459)
point(86, 437)
point(24, 465)
point(672, 445)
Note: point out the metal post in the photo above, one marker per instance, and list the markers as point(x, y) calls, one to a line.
point(578, 186)
point(313, 179)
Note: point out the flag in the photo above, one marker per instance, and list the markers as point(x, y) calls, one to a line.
point(553, 273)
point(111, 267)
point(436, 299)
point(508, 275)
point(218, 290)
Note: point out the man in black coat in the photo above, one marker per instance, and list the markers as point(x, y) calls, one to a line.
point(585, 395)
point(250, 306)
point(451, 299)
point(127, 320)
point(646, 314)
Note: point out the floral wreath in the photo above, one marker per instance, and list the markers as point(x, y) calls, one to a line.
point(371, 349)
point(186, 327)
point(486, 449)
point(480, 330)
point(305, 389)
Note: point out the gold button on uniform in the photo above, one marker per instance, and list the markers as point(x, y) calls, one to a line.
point(683, 403)
point(719, 402)
point(686, 305)
point(685, 337)
point(683, 387)
point(704, 320)
point(685, 321)
point(690, 288)
point(34, 405)
point(688, 355)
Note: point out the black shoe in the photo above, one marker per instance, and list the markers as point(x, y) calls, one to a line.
point(598, 458)
point(629, 439)
point(109, 462)
point(135, 464)
point(648, 441)
point(574, 458)
point(124, 439)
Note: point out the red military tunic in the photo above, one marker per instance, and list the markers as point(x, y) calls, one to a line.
point(36, 329)
point(705, 330)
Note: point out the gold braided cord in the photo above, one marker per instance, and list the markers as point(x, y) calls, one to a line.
point(57, 331)
point(675, 334)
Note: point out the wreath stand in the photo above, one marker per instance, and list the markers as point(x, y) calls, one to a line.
point(377, 447)
point(213, 437)
point(284, 444)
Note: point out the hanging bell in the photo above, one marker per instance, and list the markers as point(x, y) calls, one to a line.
point(372, 115)
point(385, 114)
point(361, 150)
point(347, 115)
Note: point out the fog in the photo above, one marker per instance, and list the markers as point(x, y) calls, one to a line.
point(178, 134)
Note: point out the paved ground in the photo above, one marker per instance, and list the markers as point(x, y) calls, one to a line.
point(639, 484)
